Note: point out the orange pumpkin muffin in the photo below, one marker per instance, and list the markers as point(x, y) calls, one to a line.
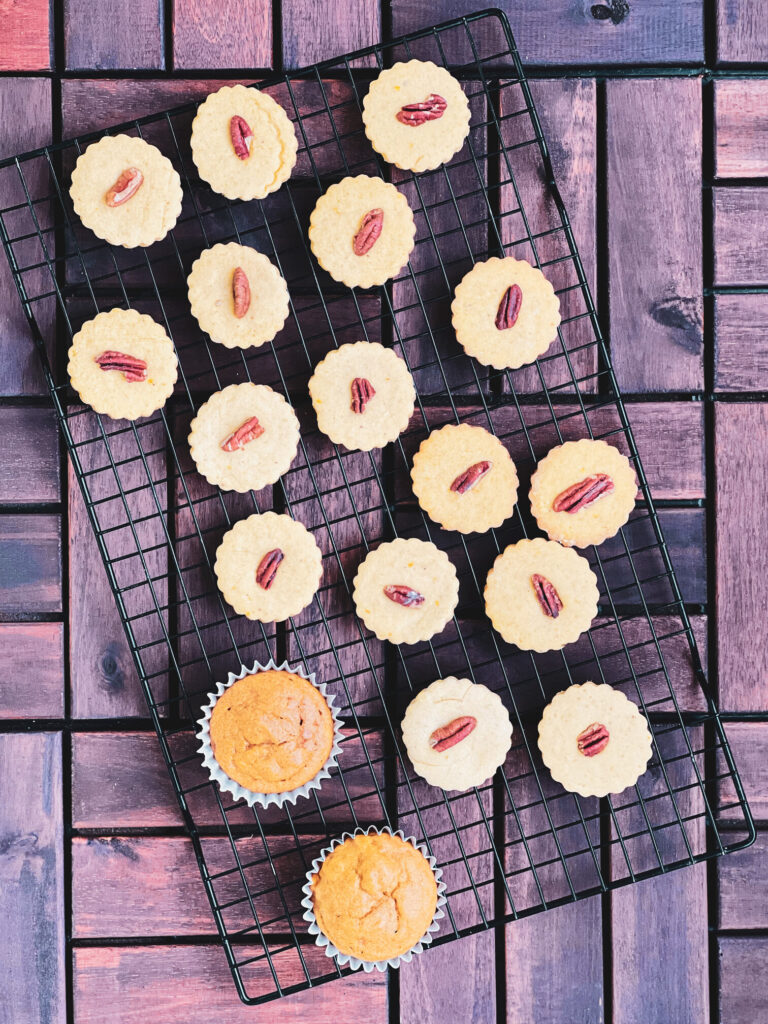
point(374, 897)
point(271, 732)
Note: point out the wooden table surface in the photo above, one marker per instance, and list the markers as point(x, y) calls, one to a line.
point(658, 117)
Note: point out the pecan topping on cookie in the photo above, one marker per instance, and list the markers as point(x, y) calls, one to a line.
point(132, 368)
point(416, 114)
point(406, 596)
point(241, 292)
point(267, 568)
point(466, 481)
point(583, 493)
point(548, 597)
point(452, 733)
point(368, 232)
point(509, 308)
point(362, 392)
point(592, 740)
point(241, 135)
point(125, 188)
point(239, 438)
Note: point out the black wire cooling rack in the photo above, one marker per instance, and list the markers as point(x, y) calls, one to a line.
point(520, 844)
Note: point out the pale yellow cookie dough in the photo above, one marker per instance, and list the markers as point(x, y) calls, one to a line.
point(260, 461)
point(108, 391)
point(569, 464)
point(211, 296)
point(272, 152)
point(336, 220)
point(474, 759)
point(384, 416)
point(298, 575)
point(622, 761)
point(149, 214)
point(476, 304)
point(443, 458)
point(418, 566)
point(516, 612)
point(415, 147)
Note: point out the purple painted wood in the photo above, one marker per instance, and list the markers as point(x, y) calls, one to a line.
point(26, 35)
point(39, 645)
point(314, 30)
point(29, 461)
point(741, 325)
point(741, 128)
point(216, 34)
point(740, 256)
point(741, 35)
point(113, 34)
point(749, 743)
point(743, 979)
point(743, 887)
point(30, 564)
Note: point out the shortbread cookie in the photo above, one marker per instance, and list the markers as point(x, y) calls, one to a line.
point(244, 437)
point(363, 395)
point(594, 740)
point(457, 733)
point(416, 115)
point(406, 591)
point(540, 595)
point(505, 313)
point(237, 295)
point(583, 492)
point(126, 191)
point(362, 231)
point(243, 143)
point(123, 364)
point(464, 479)
point(268, 567)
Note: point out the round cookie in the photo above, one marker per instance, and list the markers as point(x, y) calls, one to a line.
point(594, 740)
point(252, 576)
point(406, 591)
point(235, 453)
point(598, 508)
point(231, 315)
point(268, 158)
point(499, 292)
point(343, 225)
point(464, 478)
point(540, 595)
point(123, 364)
point(126, 191)
point(416, 115)
point(441, 711)
point(363, 395)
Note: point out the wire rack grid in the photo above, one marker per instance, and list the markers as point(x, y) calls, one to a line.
point(519, 844)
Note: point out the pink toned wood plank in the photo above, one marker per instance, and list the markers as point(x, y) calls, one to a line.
point(741, 324)
point(749, 745)
point(313, 30)
point(743, 979)
point(32, 879)
point(740, 256)
point(451, 982)
point(207, 34)
point(741, 472)
point(29, 464)
point(654, 232)
point(741, 128)
point(124, 985)
point(39, 645)
point(113, 35)
point(26, 35)
point(30, 563)
point(741, 33)
point(743, 888)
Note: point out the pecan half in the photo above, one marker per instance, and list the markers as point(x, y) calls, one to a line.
point(583, 493)
point(241, 292)
point(449, 735)
point(239, 438)
point(267, 568)
point(362, 392)
point(132, 368)
point(406, 596)
point(241, 135)
point(415, 114)
point(548, 597)
point(509, 308)
point(592, 740)
point(125, 188)
point(368, 232)
point(466, 481)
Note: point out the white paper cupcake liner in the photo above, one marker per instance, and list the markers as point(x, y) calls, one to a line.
point(345, 959)
point(229, 785)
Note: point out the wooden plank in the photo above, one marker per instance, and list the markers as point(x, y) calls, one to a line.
point(32, 879)
point(451, 982)
point(29, 464)
point(740, 256)
point(36, 645)
point(314, 30)
point(30, 564)
point(743, 980)
point(26, 35)
point(741, 323)
point(114, 35)
point(741, 33)
point(743, 888)
point(209, 34)
point(749, 745)
point(741, 471)
point(741, 127)
point(654, 233)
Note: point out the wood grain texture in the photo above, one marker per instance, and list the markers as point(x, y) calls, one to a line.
point(654, 210)
point(454, 982)
point(740, 256)
point(314, 30)
point(741, 35)
point(749, 745)
point(743, 979)
point(743, 887)
point(26, 35)
point(741, 352)
point(29, 462)
point(32, 879)
point(113, 34)
point(30, 564)
point(741, 467)
point(741, 128)
point(222, 34)
point(25, 644)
